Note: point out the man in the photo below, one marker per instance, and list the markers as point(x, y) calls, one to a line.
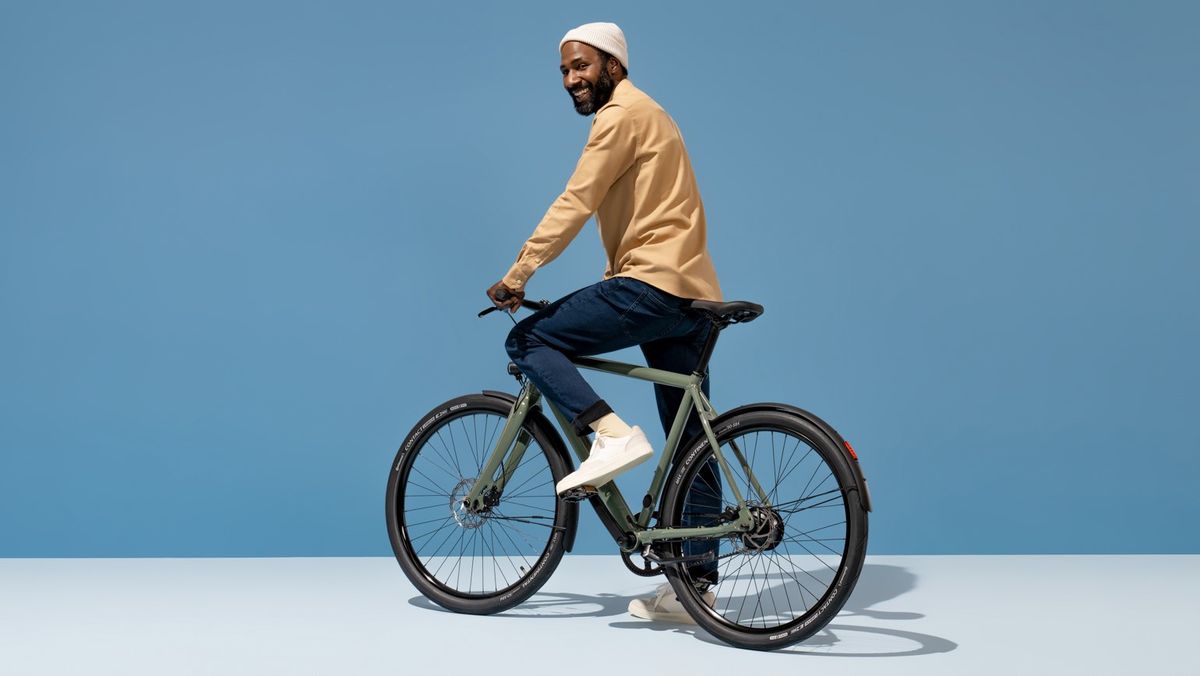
point(636, 177)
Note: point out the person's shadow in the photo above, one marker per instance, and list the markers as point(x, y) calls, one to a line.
point(877, 583)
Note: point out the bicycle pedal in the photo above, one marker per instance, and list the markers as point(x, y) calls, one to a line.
point(578, 494)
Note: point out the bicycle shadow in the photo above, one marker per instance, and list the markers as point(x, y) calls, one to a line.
point(553, 605)
point(876, 584)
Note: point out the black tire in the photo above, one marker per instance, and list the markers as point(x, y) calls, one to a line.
point(816, 516)
point(440, 456)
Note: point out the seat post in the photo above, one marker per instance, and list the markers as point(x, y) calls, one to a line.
point(709, 346)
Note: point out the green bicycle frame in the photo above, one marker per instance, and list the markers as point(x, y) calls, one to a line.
point(513, 441)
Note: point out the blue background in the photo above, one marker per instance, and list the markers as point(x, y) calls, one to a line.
point(242, 246)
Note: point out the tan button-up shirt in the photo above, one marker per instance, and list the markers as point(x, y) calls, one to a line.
point(636, 177)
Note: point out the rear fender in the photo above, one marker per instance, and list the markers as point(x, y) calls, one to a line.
point(860, 480)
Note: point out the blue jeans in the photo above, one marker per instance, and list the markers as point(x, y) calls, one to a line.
point(609, 315)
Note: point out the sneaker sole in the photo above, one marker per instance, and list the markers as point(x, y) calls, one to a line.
point(607, 475)
point(640, 611)
point(677, 618)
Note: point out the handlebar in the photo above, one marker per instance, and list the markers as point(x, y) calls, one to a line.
point(527, 304)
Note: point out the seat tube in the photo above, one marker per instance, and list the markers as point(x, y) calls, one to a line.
point(665, 463)
point(685, 409)
point(706, 352)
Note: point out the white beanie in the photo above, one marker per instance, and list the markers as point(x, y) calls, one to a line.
point(601, 35)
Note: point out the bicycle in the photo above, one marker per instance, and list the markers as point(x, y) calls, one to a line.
point(475, 478)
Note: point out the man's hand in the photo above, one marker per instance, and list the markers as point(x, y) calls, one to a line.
point(512, 301)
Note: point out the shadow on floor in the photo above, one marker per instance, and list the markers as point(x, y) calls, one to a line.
point(877, 584)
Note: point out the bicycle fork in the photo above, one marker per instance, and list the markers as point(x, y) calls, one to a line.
point(485, 492)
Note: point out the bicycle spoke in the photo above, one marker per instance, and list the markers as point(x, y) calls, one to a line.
point(785, 591)
point(453, 456)
point(447, 557)
point(800, 542)
point(410, 525)
point(437, 443)
point(530, 478)
point(471, 575)
point(495, 564)
point(513, 493)
point(792, 468)
point(475, 455)
point(508, 532)
point(427, 479)
point(510, 501)
point(779, 507)
point(414, 540)
point(811, 553)
point(528, 520)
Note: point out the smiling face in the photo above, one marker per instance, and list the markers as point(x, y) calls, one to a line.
point(589, 76)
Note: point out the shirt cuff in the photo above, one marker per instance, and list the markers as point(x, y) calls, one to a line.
point(517, 276)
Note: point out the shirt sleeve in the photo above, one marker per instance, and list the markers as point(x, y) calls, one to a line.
point(609, 153)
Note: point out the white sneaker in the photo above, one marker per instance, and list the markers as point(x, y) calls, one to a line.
point(608, 457)
point(664, 606)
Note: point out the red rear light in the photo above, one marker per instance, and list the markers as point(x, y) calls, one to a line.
point(851, 449)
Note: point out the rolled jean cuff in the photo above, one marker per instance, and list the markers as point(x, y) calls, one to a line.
point(590, 415)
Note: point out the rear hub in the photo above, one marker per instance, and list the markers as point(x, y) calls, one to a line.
point(766, 531)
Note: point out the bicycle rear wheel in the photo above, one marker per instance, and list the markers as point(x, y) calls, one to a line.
point(787, 578)
point(486, 562)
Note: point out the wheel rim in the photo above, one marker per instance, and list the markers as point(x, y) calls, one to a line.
point(780, 574)
point(474, 555)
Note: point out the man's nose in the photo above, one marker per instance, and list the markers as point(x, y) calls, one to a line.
point(572, 80)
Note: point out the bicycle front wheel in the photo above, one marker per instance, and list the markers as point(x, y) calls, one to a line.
point(475, 562)
point(787, 577)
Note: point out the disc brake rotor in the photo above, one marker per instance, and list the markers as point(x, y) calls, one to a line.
point(464, 517)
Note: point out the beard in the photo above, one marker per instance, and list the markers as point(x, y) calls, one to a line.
point(597, 95)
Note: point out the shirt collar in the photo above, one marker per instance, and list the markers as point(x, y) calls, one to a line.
point(620, 91)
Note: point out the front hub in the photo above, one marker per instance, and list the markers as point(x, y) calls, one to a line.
point(465, 516)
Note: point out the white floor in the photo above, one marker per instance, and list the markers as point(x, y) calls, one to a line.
point(909, 615)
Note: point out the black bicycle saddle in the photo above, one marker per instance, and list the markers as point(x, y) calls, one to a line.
point(731, 312)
